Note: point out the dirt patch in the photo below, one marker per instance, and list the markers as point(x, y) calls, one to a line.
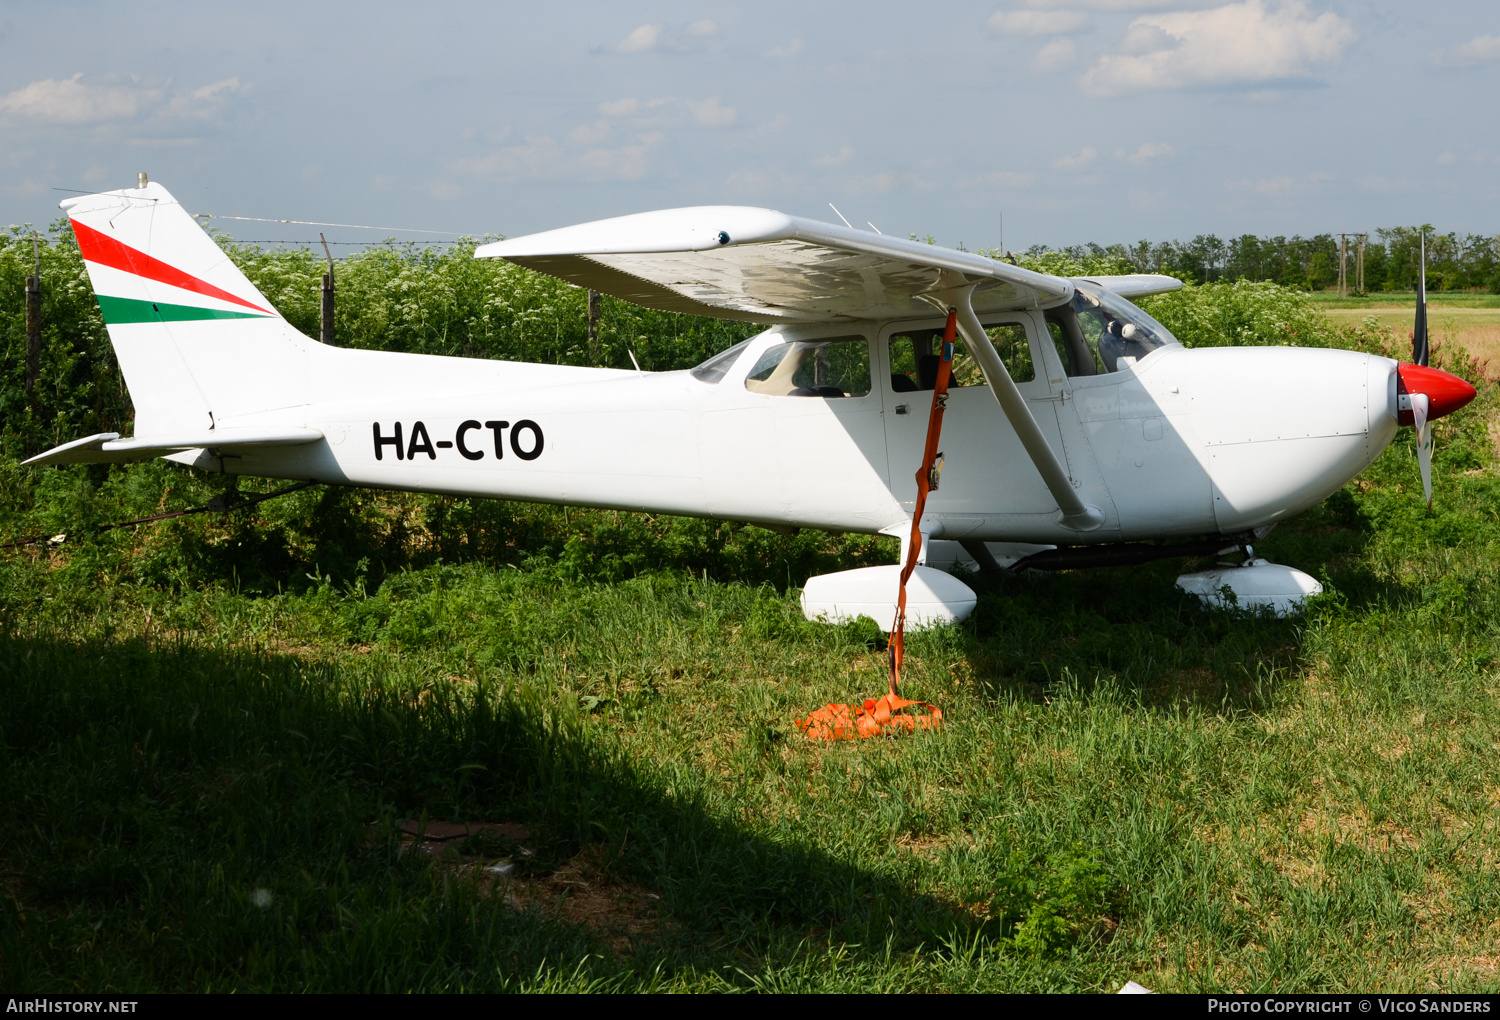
point(500, 857)
point(435, 836)
point(582, 892)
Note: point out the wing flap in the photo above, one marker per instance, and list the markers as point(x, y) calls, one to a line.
point(763, 266)
point(109, 448)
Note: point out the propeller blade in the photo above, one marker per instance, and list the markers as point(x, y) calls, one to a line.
point(1419, 406)
point(1419, 352)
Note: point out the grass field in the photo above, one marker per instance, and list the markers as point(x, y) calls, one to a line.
point(1470, 321)
point(206, 784)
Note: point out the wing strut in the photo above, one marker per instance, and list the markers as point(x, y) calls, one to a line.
point(1076, 514)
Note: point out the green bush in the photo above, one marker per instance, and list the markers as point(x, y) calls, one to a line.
point(1241, 314)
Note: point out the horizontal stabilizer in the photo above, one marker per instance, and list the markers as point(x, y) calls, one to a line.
point(759, 265)
point(109, 448)
point(1134, 285)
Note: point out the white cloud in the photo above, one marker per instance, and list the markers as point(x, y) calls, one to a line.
point(1004, 179)
point(73, 101)
point(1478, 50)
point(787, 50)
point(76, 102)
point(1384, 185)
point(759, 180)
point(712, 112)
point(1447, 159)
point(1281, 186)
point(1054, 56)
point(543, 158)
point(627, 163)
point(207, 101)
point(844, 155)
point(1039, 22)
point(703, 29)
point(1149, 151)
point(884, 183)
point(620, 108)
point(1236, 44)
point(773, 126)
point(540, 155)
point(1077, 161)
point(642, 40)
point(1124, 5)
point(596, 133)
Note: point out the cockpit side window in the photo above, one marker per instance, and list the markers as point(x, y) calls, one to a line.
point(915, 354)
point(1072, 348)
point(1097, 329)
point(836, 366)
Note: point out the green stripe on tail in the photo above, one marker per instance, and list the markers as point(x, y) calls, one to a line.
point(119, 311)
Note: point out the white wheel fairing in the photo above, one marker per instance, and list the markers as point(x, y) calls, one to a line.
point(933, 597)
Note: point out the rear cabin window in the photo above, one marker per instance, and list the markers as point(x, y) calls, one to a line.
point(830, 367)
point(915, 355)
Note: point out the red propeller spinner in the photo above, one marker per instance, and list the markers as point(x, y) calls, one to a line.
point(1445, 391)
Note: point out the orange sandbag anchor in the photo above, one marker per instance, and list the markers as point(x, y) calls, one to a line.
point(877, 715)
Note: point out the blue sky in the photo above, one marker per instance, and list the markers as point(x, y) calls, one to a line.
point(1074, 120)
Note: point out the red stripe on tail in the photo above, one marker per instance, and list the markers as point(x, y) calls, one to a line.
point(106, 251)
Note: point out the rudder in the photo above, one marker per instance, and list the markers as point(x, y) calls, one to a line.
point(198, 344)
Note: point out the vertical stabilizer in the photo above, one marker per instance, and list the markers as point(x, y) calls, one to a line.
point(199, 346)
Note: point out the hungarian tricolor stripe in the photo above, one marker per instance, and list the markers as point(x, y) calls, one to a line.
point(101, 249)
point(119, 311)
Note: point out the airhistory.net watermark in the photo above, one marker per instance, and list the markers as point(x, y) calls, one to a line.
point(39, 1005)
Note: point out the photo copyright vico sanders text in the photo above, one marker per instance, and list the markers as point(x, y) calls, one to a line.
point(1372, 1004)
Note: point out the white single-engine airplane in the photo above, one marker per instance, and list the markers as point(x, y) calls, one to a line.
point(1078, 430)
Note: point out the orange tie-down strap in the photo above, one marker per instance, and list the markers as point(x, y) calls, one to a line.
point(875, 716)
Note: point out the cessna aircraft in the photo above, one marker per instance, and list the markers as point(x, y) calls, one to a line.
point(1078, 430)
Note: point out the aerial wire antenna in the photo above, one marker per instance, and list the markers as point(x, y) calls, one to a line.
point(840, 215)
point(317, 223)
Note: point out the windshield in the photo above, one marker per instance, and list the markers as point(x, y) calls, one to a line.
point(712, 370)
point(1102, 332)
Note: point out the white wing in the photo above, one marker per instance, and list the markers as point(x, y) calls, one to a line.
point(758, 265)
point(1135, 284)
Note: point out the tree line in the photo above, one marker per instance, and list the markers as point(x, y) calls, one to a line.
point(430, 300)
point(1455, 262)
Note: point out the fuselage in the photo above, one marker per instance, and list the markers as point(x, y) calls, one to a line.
point(1180, 442)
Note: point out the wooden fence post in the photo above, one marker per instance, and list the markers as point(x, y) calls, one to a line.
point(1343, 265)
point(596, 303)
point(326, 334)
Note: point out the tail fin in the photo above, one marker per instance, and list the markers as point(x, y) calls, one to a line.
point(199, 346)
